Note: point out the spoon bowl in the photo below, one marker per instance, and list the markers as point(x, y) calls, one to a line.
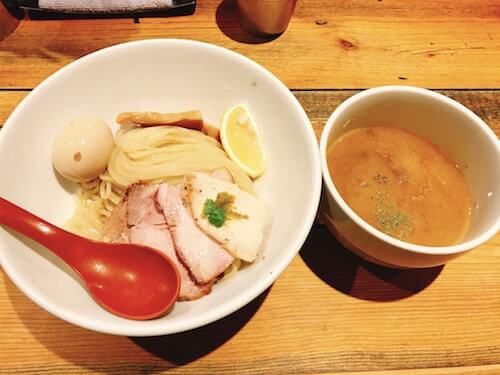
point(134, 282)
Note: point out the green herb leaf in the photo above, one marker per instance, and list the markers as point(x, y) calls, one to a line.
point(209, 207)
point(221, 209)
point(216, 215)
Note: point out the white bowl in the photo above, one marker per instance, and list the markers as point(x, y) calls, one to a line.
point(446, 123)
point(155, 75)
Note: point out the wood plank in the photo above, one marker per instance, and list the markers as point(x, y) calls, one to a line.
point(353, 45)
point(8, 101)
point(320, 104)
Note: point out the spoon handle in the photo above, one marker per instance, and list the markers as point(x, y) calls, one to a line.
point(48, 235)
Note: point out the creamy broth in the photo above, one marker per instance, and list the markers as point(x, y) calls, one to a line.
point(401, 184)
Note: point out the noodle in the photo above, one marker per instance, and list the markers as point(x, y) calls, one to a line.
point(87, 220)
point(167, 154)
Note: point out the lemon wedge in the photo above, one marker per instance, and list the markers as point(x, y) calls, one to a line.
point(241, 140)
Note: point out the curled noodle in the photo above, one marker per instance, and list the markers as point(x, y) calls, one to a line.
point(167, 154)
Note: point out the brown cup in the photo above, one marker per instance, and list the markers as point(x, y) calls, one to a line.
point(265, 17)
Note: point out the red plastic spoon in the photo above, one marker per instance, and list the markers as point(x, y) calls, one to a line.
point(135, 282)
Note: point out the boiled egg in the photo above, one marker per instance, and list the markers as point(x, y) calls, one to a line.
point(82, 149)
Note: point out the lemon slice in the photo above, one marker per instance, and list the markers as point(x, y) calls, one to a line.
point(241, 140)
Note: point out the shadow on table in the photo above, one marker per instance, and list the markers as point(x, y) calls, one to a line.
point(186, 347)
point(229, 23)
point(110, 354)
point(9, 20)
point(352, 275)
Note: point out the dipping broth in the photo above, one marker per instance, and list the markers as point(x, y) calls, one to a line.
point(401, 184)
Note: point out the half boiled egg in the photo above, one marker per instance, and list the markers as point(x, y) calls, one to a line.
point(82, 149)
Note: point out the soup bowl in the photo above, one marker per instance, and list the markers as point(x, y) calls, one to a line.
point(454, 129)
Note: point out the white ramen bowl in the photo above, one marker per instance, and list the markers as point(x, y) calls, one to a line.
point(446, 123)
point(166, 76)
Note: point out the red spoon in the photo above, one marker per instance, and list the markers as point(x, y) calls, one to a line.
point(135, 282)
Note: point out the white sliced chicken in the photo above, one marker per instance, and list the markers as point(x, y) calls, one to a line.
point(242, 236)
point(204, 257)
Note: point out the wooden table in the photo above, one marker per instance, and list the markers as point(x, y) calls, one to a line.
point(329, 312)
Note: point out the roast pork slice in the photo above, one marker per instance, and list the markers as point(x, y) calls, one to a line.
point(142, 206)
point(203, 256)
point(137, 220)
point(158, 237)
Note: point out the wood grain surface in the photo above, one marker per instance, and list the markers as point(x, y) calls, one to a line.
point(330, 43)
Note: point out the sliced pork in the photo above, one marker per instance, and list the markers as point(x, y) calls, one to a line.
point(158, 237)
point(142, 205)
point(137, 219)
point(204, 257)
